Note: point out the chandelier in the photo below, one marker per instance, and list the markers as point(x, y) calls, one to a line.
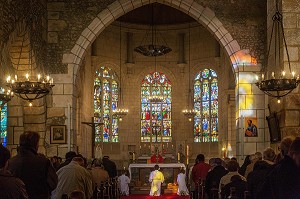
point(153, 49)
point(283, 83)
point(119, 113)
point(189, 112)
point(32, 86)
point(5, 96)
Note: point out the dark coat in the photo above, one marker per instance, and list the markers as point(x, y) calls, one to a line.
point(282, 182)
point(11, 187)
point(35, 171)
point(110, 167)
point(256, 178)
point(240, 188)
point(213, 179)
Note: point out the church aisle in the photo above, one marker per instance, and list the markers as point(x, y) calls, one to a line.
point(165, 196)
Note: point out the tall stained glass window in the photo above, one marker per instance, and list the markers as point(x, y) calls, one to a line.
point(106, 96)
point(156, 125)
point(206, 105)
point(3, 125)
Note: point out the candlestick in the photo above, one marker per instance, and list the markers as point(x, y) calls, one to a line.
point(187, 150)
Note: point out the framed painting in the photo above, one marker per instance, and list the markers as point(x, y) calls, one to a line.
point(58, 134)
point(251, 127)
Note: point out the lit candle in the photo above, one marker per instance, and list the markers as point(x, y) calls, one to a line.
point(8, 79)
point(293, 73)
point(256, 77)
point(27, 77)
point(273, 75)
point(283, 73)
point(48, 78)
point(178, 157)
point(39, 77)
point(262, 76)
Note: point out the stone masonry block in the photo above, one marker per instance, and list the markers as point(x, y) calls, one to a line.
point(56, 6)
point(56, 25)
point(55, 112)
point(292, 118)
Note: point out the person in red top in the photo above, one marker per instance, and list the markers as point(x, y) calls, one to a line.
point(200, 171)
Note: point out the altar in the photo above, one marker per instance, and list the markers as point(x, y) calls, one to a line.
point(139, 175)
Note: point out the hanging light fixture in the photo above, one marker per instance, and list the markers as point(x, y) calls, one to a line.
point(120, 112)
point(5, 96)
point(153, 49)
point(32, 86)
point(283, 83)
point(189, 112)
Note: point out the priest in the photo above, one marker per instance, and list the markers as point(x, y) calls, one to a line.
point(156, 178)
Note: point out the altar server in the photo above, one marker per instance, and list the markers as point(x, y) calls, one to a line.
point(156, 178)
point(182, 189)
point(123, 182)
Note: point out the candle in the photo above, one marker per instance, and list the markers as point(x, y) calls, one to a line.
point(178, 157)
point(39, 77)
point(8, 79)
point(187, 150)
point(133, 156)
point(293, 73)
point(283, 73)
point(262, 76)
point(273, 75)
point(27, 76)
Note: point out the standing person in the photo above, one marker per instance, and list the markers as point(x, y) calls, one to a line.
point(34, 170)
point(284, 180)
point(232, 167)
point(73, 177)
point(200, 171)
point(254, 158)
point(156, 178)
point(182, 189)
point(109, 166)
point(69, 156)
point(123, 182)
point(243, 168)
point(214, 176)
point(98, 173)
point(10, 186)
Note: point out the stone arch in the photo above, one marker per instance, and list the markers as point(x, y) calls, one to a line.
point(203, 15)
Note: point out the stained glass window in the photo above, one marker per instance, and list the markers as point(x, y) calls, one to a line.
point(106, 96)
point(206, 104)
point(156, 125)
point(3, 125)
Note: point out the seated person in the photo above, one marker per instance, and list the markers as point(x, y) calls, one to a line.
point(236, 188)
point(156, 178)
point(123, 183)
point(182, 189)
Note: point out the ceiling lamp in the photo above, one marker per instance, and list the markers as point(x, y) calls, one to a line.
point(189, 112)
point(5, 96)
point(282, 83)
point(153, 49)
point(120, 112)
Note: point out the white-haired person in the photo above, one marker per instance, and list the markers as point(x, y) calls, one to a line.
point(181, 181)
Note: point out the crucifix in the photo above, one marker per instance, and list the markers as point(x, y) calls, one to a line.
point(93, 125)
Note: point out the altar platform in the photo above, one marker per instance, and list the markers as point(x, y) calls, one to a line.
point(139, 175)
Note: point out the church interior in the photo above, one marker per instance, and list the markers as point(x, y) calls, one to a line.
point(150, 81)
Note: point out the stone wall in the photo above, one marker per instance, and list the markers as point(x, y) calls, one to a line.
point(66, 21)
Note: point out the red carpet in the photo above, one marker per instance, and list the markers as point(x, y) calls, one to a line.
point(165, 196)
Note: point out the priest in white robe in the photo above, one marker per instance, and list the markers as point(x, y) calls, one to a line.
point(156, 178)
point(123, 183)
point(182, 188)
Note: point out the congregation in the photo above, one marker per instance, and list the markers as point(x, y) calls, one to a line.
point(30, 175)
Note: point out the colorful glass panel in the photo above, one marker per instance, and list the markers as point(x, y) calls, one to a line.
point(106, 96)
point(3, 127)
point(156, 125)
point(206, 105)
